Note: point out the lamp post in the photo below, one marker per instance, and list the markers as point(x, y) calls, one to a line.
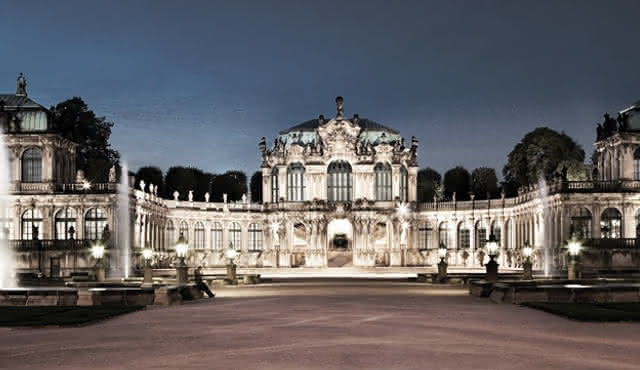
point(527, 266)
point(97, 251)
point(147, 254)
point(492, 265)
point(231, 255)
point(182, 270)
point(574, 246)
point(442, 265)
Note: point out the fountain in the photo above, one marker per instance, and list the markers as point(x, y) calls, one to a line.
point(124, 224)
point(7, 262)
point(543, 193)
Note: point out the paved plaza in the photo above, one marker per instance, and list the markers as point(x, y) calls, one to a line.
point(329, 325)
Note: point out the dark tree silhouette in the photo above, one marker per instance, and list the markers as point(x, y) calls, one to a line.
point(256, 187)
point(428, 184)
point(150, 175)
point(457, 180)
point(484, 180)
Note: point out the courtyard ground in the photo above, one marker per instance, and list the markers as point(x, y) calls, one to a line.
point(329, 325)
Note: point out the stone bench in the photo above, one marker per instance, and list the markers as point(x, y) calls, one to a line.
point(174, 294)
point(115, 296)
point(38, 297)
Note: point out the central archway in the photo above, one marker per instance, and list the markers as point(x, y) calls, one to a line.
point(340, 239)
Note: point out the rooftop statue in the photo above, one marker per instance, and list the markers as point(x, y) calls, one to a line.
point(21, 85)
point(112, 174)
point(339, 107)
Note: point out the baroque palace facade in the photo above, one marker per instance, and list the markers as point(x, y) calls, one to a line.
point(337, 192)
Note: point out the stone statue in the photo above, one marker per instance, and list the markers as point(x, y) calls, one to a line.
point(21, 85)
point(155, 190)
point(263, 145)
point(224, 197)
point(206, 197)
point(339, 107)
point(142, 185)
point(79, 176)
point(176, 195)
point(151, 187)
point(356, 119)
point(190, 195)
point(34, 231)
point(321, 120)
point(244, 198)
point(112, 174)
point(106, 234)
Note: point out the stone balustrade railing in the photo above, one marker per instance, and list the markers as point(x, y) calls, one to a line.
point(45, 187)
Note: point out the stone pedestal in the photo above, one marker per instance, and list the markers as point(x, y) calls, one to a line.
point(99, 269)
point(442, 271)
point(182, 275)
point(492, 271)
point(148, 275)
point(231, 273)
point(572, 270)
point(527, 273)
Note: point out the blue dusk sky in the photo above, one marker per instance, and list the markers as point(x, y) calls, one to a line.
point(199, 83)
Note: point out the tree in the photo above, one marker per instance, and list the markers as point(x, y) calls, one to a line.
point(74, 121)
point(540, 154)
point(428, 184)
point(185, 179)
point(457, 180)
point(484, 181)
point(150, 175)
point(256, 187)
point(232, 183)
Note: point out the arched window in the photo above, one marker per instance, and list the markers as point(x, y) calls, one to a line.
point(580, 225)
point(6, 225)
point(31, 220)
point(295, 182)
point(171, 234)
point(425, 235)
point(275, 191)
point(339, 181)
point(184, 231)
point(404, 184)
point(32, 165)
point(443, 233)
point(636, 164)
point(235, 235)
point(464, 236)
point(496, 230)
point(216, 236)
point(65, 224)
point(198, 236)
point(382, 173)
point(611, 223)
point(255, 237)
point(94, 223)
point(481, 234)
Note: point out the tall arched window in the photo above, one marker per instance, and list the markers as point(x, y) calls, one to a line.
point(255, 237)
point(404, 184)
point(31, 219)
point(275, 191)
point(295, 182)
point(184, 230)
point(339, 181)
point(65, 224)
point(580, 225)
point(198, 236)
point(94, 223)
point(32, 165)
point(216, 236)
point(611, 223)
point(171, 234)
point(481, 234)
point(235, 235)
point(426, 235)
point(636, 164)
point(443, 233)
point(464, 236)
point(496, 230)
point(382, 173)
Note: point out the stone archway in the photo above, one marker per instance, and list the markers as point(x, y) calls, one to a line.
point(340, 240)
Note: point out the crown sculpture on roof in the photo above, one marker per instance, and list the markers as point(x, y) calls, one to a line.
point(21, 85)
point(339, 108)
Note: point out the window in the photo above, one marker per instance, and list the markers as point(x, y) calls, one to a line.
point(611, 223)
point(171, 233)
point(184, 231)
point(6, 225)
point(443, 233)
point(94, 224)
point(65, 224)
point(636, 164)
point(404, 184)
point(339, 181)
point(580, 225)
point(31, 220)
point(198, 236)
point(382, 173)
point(295, 182)
point(216, 236)
point(275, 191)
point(497, 232)
point(32, 165)
point(464, 237)
point(426, 235)
point(481, 235)
point(255, 237)
point(235, 235)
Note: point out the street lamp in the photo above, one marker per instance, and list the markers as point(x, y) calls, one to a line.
point(97, 251)
point(403, 210)
point(527, 266)
point(442, 265)
point(147, 255)
point(492, 265)
point(231, 255)
point(182, 270)
point(574, 246)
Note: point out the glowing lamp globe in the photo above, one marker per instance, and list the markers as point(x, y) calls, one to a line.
point(86, 185)
point(527, 251)
point(403, 210)
point(574, 246)
point(97, 251)
point(231, 253)
point(442, 252)
point(181, 247)
point(492, 246)
point(147, 253)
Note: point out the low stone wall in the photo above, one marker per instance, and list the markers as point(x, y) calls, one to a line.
point(176, 294)
point(38, 297)
point(115, 296)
